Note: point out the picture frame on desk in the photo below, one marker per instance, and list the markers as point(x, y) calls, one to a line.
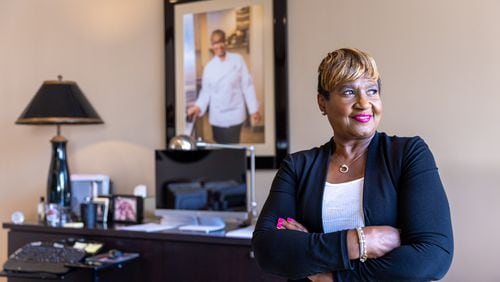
point(103, 208)
point(128, 209)
point(256, 31)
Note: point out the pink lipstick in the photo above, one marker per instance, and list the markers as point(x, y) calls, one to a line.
point(363, 118)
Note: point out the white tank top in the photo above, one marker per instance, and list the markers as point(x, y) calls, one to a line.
point(343, 206)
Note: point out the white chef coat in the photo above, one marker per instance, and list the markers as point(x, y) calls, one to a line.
point(226, 87)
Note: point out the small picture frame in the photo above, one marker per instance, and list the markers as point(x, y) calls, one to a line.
point(102, 209)
point(127, 209)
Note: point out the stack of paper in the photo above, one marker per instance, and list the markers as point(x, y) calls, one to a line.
point(245, 232)
point(148, 227)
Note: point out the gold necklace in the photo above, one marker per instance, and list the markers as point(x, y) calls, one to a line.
point(344, 168)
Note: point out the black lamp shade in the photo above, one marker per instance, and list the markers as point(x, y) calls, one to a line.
point(59, 102)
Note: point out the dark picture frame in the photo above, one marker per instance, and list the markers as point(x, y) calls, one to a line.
point(277, 119)
point(127, 209)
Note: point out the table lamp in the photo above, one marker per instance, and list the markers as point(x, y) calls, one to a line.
point(186, 142)
point(59, 102)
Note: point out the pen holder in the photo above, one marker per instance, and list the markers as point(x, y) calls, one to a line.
point(88, 212)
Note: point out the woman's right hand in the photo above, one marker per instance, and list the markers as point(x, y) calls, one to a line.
point(379, 241)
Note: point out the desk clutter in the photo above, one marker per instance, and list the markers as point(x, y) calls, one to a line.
point(58, 258)
point(92, 202)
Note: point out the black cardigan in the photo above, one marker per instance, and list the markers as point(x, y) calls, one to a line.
point(402, 188)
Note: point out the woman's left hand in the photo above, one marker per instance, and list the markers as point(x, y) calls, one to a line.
point(292, 224)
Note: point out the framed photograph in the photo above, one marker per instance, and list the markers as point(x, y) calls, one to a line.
point(102, 209)
point(127, 209)
point(226, 74)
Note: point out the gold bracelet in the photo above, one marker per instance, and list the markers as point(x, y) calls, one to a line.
point(363, 253)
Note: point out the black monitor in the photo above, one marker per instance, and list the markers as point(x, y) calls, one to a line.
point(202, 182)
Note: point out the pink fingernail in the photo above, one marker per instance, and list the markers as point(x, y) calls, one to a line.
point(279, 226)
point(289, 219)
point(281, 220)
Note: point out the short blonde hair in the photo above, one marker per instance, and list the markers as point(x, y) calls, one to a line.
point(345, 65)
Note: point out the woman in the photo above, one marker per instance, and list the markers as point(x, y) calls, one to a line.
point(364, 206)
point(226, 88)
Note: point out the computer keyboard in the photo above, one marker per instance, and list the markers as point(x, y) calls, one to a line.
point(43, 257)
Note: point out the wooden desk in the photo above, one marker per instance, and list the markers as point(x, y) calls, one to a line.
point(164, 256)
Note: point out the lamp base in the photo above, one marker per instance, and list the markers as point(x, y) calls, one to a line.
point(59, 184)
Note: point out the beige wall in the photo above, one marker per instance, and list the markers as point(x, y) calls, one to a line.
point(440, 68)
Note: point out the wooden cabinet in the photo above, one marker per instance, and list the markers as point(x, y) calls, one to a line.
point(164, 256)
